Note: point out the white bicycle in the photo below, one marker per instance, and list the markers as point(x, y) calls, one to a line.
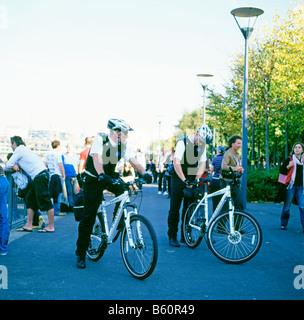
point(233, 236)
point(139, 248)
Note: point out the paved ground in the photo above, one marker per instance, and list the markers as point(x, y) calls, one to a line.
point(42, 266)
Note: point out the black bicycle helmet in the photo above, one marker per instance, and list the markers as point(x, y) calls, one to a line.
point(221, 149)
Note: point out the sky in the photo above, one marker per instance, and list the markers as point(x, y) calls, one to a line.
point(70, 65)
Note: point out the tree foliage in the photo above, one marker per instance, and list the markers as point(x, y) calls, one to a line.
point(275, 93)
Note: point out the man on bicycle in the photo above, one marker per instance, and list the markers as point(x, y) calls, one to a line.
point(189, 163)
point(100, 174)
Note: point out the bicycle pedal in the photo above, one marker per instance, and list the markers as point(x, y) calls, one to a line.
point(93, 251)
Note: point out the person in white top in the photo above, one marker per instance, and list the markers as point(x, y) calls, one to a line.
point(107, 150)
point(189, 164)
point(53, 160)
point(161, 171)
point(39, 195)
point(140, 157)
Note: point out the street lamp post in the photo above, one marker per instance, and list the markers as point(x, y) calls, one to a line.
point(204, 79)
point(245, 12)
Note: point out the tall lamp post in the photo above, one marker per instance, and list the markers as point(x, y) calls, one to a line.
point(245, 12)
point(204, 79)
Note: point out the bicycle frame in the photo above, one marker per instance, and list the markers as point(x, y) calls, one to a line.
point(122, 209)
point(226, 192)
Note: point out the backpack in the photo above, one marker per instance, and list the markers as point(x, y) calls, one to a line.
point(78, 205)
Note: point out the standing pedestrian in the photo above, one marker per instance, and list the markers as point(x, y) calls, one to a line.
point(169, 164)
point(39, 195)
point(161, 171)
point(24, 183)
point(140, 157)
point(53, 161)
point(4, 224)
point(84, 154)
point(215, 169)
point(70, 163)
point(151, 168)
point(295, 186)
point(232, 160)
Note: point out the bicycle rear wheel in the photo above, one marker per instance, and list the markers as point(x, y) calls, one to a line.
point(98, 241)
point(239, 247)
point(140, 260)
point(193, 237)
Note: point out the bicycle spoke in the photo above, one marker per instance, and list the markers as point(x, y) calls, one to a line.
point(239, 246)
point(193, 236)
point(98, 242)
point(141, 259)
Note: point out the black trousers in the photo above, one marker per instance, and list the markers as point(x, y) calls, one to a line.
point(177, 196)
point(161, 176)
point(236, 195)
point(93, 194)
point(215, 186)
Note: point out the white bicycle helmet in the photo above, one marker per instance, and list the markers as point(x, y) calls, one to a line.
point(205, 133)
point(119, 124)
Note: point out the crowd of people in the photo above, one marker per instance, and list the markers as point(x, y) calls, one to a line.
point(51, 184)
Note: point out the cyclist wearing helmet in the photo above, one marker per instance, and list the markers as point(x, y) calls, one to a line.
point(189, 163)
point(103, 157)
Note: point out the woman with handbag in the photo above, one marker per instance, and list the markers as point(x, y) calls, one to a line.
point(295, 172)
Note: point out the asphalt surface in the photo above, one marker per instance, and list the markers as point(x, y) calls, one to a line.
point(42, 266)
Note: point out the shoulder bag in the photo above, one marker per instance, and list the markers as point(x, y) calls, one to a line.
point(285, 178)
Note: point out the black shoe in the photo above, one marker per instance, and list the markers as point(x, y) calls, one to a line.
point(182, 240)
point(174, 243)
point(80, 262)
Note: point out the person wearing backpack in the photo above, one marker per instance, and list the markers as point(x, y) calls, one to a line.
point(295, 187)
point(105, 153)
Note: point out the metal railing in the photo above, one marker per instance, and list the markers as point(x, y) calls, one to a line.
point(17, 213)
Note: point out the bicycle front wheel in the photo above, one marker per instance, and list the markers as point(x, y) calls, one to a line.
point(193, 236)
point(140, 259)
point(237, 247)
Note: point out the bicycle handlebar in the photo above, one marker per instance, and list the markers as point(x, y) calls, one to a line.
point(137, 181)
point(205, 180)
point(235, 176)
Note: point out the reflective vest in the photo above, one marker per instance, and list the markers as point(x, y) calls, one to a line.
point(110, 157)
